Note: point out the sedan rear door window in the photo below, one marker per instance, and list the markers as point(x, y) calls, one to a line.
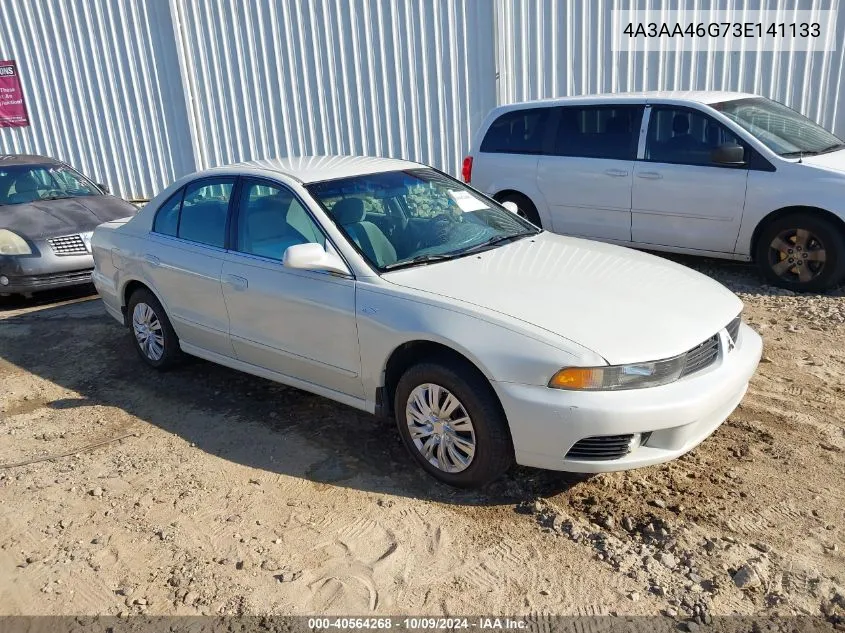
point(204, 211)
point(167, 217)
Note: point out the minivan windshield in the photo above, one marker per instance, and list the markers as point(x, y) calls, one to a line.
point(21, 184)
point(781, 129)
point(399, 219)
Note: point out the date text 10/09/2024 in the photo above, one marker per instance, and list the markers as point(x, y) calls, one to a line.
point(723, 29)
point(417, 623)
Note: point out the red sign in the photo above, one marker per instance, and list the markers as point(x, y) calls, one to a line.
point(12, 105)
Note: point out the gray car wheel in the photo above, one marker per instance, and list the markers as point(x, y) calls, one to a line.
point(152, 334)
point(452, 423)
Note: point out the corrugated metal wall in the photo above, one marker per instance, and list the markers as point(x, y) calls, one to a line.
point(399, 78)
point(102, 88)
point(557, 48)
point(138, 93)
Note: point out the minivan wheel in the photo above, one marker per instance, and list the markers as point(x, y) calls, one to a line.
point(452, 424)
point(802, 252)
point(524, 207)
point(152, 334)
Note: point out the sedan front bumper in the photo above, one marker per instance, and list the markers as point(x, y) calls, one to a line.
point(43, 271)
point(663, 422)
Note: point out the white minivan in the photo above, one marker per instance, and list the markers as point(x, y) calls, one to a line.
point(720, 174)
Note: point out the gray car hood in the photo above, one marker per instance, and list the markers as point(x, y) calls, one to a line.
point(49, 218)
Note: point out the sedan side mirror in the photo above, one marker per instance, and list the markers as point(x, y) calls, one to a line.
point(511, 206)
point(103, 187)
point(728, 154)
point(312, 256)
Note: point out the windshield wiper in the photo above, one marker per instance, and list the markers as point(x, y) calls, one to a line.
point(496, 239)
point(832, 148)
point(799, 154)
point(56, 197)
point(416, 261)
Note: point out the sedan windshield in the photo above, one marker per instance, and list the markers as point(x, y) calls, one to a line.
point(781, 129)
point(20, 184)
point(408, 218)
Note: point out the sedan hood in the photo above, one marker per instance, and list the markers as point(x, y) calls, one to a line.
point(49, 218)
point(832, 161)
point(625, 305)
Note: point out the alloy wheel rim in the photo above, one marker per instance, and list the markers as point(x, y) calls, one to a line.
point(148, 331)
point(440, 428)
point(797, 255)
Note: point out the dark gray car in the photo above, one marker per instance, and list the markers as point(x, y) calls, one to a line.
point(48, 211)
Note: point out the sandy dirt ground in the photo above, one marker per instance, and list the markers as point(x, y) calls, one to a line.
point(206, 491)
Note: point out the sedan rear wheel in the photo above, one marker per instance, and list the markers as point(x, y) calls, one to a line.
point(153, 335)
point(148, 332)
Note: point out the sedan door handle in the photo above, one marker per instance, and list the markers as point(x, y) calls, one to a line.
point(152, 260)
point(236, 282)
point(616, 173)
point(650, 175)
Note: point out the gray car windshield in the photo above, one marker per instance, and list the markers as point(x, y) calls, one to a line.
point(781, 129)
point(21, 184)
point(408, 218)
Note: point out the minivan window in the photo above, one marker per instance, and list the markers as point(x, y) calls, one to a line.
point(684, 137)
point(517, 132)
point(781, 129)
point(611, 132)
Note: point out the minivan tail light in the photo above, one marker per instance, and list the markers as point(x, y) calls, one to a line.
point(466, 170)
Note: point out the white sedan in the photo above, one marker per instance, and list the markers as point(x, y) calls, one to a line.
point(393, 288)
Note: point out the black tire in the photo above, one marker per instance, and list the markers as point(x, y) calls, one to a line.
point(493, 454)
point(824, 235)
point(172, 354)
point(525, 208)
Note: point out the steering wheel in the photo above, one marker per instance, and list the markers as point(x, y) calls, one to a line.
point(443, 224)
point(397, 219)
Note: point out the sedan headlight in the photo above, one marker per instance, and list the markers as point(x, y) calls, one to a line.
point(13, 244)
point(635, 376)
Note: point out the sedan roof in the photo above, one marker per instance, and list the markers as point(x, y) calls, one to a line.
point(308, 169)
point(7, 160)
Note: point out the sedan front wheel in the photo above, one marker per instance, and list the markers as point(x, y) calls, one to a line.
point(452, 424)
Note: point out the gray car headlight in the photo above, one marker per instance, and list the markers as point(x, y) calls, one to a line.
point(13, 244)
point(634, 376)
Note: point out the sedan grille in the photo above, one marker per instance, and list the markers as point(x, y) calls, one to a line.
point(601, 447)
point(733, 328)
point(701, 356)
point(68, 245)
